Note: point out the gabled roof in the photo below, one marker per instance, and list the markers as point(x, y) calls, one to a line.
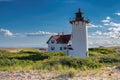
point(64, 39)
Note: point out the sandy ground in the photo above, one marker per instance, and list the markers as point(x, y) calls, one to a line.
point(107, 73)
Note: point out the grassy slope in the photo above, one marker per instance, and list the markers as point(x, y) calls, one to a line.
point(32, 59)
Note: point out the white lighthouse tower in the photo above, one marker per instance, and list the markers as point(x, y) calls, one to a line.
point(79, 46)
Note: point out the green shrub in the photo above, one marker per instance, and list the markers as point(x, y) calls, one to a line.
point(51, 54)
point(33, 57)
point(103, 50)
point(7, 62)
point(71, 73)
point(75, 62)
point(3, 52)
point(68, 73)
point(109, 59)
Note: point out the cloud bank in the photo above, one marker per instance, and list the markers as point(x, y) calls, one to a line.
point(107, 35)
point(90, 25)
point(6, 32)
point(106, 20)
point(39, 33)
point(11, 34)
point(112, 29)
point(118, 14)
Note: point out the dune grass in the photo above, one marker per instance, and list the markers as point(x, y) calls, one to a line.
point(58, 61)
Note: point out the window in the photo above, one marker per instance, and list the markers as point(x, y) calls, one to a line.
point(60, 48)
point(52, 48)
point(65, 48)
point(52, 41)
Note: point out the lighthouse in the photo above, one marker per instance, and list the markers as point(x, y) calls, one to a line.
point(79, 36)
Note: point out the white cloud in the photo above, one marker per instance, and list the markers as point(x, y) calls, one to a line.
point(114, 29)
point(6, 32)
point(114, 24)
point(93, 25)
point(118, 14)
point(104, 42)
point(97, 33)
point(110, 33)
point(106, 20)
point(39, 33)
point(110, 36)
point(114, 32)
point(106, 24)
point(96, 41)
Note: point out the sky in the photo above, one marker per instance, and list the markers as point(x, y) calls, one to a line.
point(30, 23)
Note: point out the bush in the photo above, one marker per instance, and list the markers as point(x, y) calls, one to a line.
point(109, 59)
point(75, 62)
point(68, 73)
point(7, 62)
point(103, 50)
point(3, 53)
point(51, 54)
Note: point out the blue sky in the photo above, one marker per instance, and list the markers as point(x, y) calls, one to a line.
point(30, 23)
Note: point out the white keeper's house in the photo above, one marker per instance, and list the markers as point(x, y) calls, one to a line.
point(58, 43)
point(75, 44)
